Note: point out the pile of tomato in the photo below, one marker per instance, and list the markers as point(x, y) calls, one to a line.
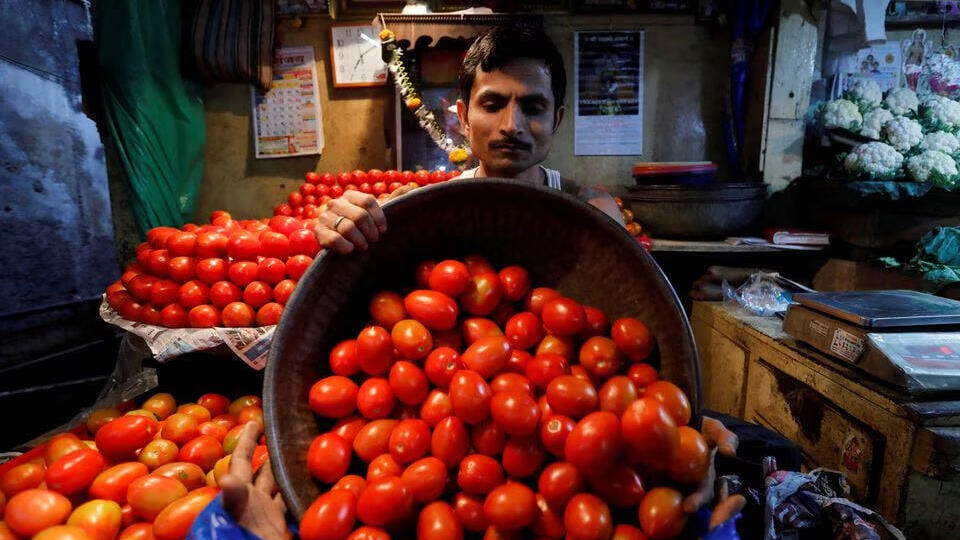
point(319, 189)
point(143, 474)
point(634, 228)
point(477, 404)
point(225, 273)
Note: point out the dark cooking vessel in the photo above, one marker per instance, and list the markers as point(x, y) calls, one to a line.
point(563, 242)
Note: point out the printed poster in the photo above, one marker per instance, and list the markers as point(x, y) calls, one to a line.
point(881, 63)
point(287, 120)
point(608, 93)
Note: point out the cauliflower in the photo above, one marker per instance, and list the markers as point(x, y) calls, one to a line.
point(903, 133)
point(873, 122)
point(866, 92)
point(841, 113)
point(901, 101)
point(940, 114)
point(933, 167)
point(874, 159)
point(941, 141)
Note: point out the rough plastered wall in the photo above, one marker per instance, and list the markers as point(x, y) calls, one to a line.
point(685, 66)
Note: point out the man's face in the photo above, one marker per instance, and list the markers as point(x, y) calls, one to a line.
point(510, 121)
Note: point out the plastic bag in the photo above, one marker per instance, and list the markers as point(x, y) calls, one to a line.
point(760, 295)
point(214, 523)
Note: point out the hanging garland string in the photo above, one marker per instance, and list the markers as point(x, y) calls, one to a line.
point(411, 98)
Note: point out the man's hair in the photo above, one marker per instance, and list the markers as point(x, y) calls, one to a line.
point(505, 43)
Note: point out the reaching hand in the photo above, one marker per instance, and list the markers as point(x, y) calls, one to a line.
point(252, 502)
point(721, 439)
point(353, 221)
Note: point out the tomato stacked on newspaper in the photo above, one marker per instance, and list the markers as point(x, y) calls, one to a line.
point(319, 189)
point(478, 404)
point(226, 273)
point(143, 474)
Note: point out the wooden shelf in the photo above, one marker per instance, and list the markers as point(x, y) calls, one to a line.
point(717, 246)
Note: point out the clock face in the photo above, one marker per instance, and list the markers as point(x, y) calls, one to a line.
point(355, 56)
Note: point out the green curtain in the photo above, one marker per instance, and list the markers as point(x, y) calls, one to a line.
point(153, 113)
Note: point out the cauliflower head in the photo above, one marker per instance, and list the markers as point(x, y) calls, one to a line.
point(865, 91)
point(874, 159)
point(940, 114)
point(841, 113)
point(903, 133)
point(934, 167)
point(941, 141)
point(873, 122)
point(901, 101)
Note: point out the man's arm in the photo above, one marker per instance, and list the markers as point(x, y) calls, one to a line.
point(603, 201)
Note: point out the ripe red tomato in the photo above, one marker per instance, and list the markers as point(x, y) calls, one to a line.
point(426, 479)
point(510, 507)
point(159, 452)
point(620, 486)
point(384, 502)
point(237, 315)
point(438, 521)
point(563, 317)
point(226, 420)
point(633, 338)
point(61, 445)
point(408, 382)
point(192, 294)
point(179, 428)
point(470, 396)
point(215, 403)
point(74, 472)
point(548, 523)
point(516, 282)
point(617, 394)
point(34, 510)
point(641, 374)
point(271, 270)
point(386, 309)
point(164, 292)
point(691, 462)
point(303, 242)
point(487, 356)
point(269, 313)
point(449, 277)
point(157, 262)
point(538, 297)
point(204, 316)
point(383, 466)
point(661, 514)
point(243, 246)
point(149, 495)
point(343, 358)
point(353, 483)
point(374, 350)
point(571, 396)
point(336, 191)
point(212, 429)
point(543, 368)
point(435, 310)
point(223, 293)
point(157, 236)
point(562, 346)
point(282, 209)
point(450, 441)
point(409, 440)
point(482, 295)
point(511, 382)
point(479, 474)
point(524, 330)
point(97, 419)
point(516, 412)
point(375, 399)
point(559, 482)
point(212, 270)
point(475, 328)
point(328, 179)
point(203, 451)
point(373, 438)
point(181, 244)
point(175, 520)
point(672, 398)
point(477, 265)
point(188, 474)
point(100, 520)
point(328, 458)
point(523, 456)
point(120, 438)
point(283, 290)
point(594, 444)
point(440, 366)
point(210, 244)
point(600, 357)
point(597, 322)
point(174, 316)
point(181, 269)
point(469, 511)
point(411, 339)
point(650, 433)
point(257, 293)
point(333, 397)
point(436, 407)
point(112, 483)
point(554, 430)
point(518, 361)
point(587, 517)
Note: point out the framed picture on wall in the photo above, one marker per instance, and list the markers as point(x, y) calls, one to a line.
point(633, 6)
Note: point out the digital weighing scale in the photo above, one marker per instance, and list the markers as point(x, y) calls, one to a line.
point(906, 338)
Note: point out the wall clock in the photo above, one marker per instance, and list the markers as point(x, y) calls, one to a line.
point(355, 55)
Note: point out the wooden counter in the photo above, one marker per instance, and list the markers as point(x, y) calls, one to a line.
point(901, 457)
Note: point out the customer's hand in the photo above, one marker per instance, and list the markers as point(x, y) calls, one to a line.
point(353, 221)
point(708, 287)
point(719, 439)
point(252, 502)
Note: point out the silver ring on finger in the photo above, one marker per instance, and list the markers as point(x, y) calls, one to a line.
point(337, 222)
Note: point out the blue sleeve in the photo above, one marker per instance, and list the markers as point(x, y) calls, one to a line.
point(215, 523)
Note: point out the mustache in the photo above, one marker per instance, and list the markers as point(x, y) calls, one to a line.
point(511, 143)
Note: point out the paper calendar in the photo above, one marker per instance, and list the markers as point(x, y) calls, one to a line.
point(287, 120)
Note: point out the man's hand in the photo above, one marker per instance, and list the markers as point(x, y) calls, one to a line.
point(721, 439)
point(353, 221)
point(252, 502)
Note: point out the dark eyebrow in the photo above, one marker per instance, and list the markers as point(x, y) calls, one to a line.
point(535, 99)
point(489, 94)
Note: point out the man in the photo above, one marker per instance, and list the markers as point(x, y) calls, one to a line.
point(513, 82)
